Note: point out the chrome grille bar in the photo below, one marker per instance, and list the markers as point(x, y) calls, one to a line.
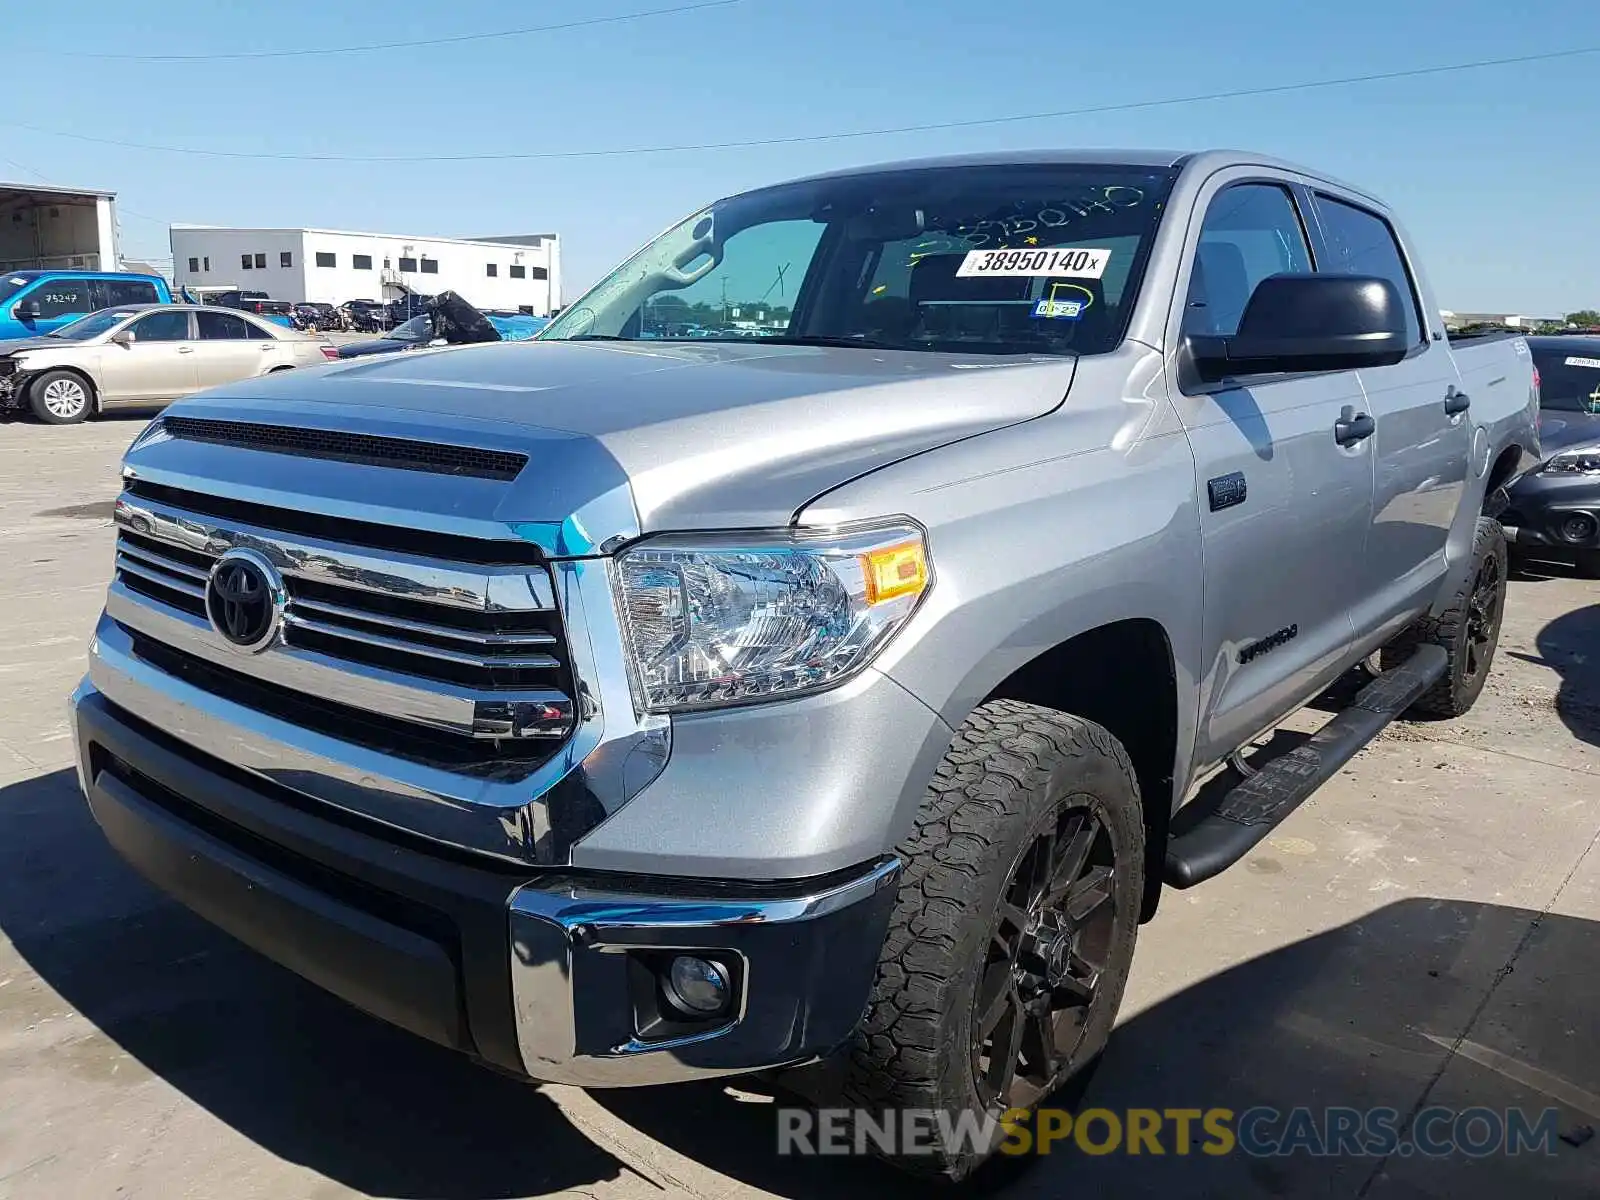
point(488, 640)
point(530, 662)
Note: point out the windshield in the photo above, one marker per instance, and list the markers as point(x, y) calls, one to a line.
point(93, 325)
point(1569, 377)
point(418, 329)
point(10, 285)
point(976, 259)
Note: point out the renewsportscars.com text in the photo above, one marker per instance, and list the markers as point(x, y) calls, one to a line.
point(1259, 1132)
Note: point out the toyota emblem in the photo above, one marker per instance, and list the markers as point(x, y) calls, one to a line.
point(244, 600)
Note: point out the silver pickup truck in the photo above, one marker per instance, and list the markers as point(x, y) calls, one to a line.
point(825, 681)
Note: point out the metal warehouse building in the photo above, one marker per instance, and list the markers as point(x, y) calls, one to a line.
point(517, 272)
point(57, 227)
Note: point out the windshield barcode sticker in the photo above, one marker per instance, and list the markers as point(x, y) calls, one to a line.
point(1047, 264)
point(1584, 362)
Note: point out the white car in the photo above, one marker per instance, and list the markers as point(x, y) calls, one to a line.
point(145, 355)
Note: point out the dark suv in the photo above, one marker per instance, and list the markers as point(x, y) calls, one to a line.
point(1555, 509)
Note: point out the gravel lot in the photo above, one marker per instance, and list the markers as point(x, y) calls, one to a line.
point(1425, 931)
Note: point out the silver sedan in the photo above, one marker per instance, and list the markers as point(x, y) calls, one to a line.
point(145, 355)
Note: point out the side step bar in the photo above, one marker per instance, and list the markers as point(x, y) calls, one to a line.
point(1260, 803)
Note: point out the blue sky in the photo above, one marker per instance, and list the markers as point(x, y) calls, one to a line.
point(1496, 172)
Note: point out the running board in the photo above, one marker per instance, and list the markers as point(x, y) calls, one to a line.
point(1260, 803)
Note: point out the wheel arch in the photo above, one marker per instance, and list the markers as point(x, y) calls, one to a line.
point(1122, 675)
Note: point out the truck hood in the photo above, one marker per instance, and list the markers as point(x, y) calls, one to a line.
point(704, 435)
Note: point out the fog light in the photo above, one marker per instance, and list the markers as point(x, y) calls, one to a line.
point(698, 986)
point(1578, 527)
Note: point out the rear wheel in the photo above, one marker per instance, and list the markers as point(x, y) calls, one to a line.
point(1469, 630)
point(1014, 929)
point(60, 398)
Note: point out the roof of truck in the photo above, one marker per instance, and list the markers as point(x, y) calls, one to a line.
point(1205, 160)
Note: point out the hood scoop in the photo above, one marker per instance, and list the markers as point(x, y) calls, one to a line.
point(403, 454)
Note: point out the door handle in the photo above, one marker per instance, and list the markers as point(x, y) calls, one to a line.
point(185, 349)
point(1456, 402)
point(1353, 427)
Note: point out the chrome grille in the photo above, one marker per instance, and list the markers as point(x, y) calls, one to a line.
point(472, 648)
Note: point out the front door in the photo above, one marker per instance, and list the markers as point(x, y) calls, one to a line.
point(1284, 508)
point(1424, 433)
point(155, 367)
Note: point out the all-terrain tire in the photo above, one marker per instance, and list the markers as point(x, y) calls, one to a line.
point(1469, 629)
point(61, 397)
point(1011, 771)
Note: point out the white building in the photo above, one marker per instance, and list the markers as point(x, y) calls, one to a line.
point(331, 266)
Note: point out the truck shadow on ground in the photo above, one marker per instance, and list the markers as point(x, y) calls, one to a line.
point(1570, 645)
point(1347, 1017)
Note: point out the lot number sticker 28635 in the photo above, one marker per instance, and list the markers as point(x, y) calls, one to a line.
point(1049, 264)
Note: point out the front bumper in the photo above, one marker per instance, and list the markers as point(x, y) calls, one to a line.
point(543, 973)
point(1554, 512)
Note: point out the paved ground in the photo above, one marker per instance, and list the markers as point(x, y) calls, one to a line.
point(1425, 931)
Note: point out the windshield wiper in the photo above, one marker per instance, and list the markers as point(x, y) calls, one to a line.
point(820, 339)
point(595, 337)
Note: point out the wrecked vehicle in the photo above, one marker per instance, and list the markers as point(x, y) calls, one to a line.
point(448, 321)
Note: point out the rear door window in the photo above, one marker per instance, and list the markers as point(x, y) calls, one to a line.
point(116, 292)
point(1363, 243)
point(222, 327)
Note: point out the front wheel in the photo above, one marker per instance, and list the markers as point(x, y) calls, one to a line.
point(60, 398)
point(1013, 931)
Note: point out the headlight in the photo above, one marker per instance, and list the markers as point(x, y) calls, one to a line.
point(730, 619)
point(7, 366)
point(1578, 460)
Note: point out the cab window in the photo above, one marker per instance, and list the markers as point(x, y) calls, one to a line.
point(61, 298)
point(1252, 231)
point(162, 327)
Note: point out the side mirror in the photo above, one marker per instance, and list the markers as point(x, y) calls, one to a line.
point(124, 337)
point(27, 310)
point(1308, 322)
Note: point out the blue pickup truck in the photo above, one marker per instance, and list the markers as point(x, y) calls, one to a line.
point(33, 303)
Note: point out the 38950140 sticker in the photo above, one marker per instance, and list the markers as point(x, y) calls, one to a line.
point(1052, 263)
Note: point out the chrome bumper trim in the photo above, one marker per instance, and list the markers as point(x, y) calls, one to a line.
point(560, 934)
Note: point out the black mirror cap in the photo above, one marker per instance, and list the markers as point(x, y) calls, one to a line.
point(28, 310)
point(1310, 322)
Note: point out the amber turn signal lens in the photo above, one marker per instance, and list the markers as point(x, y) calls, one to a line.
point(895, 571)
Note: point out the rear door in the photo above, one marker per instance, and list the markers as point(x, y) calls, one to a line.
point(1284, 508)
point(1424, 429)
point(230, 348)
point(158, 366)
